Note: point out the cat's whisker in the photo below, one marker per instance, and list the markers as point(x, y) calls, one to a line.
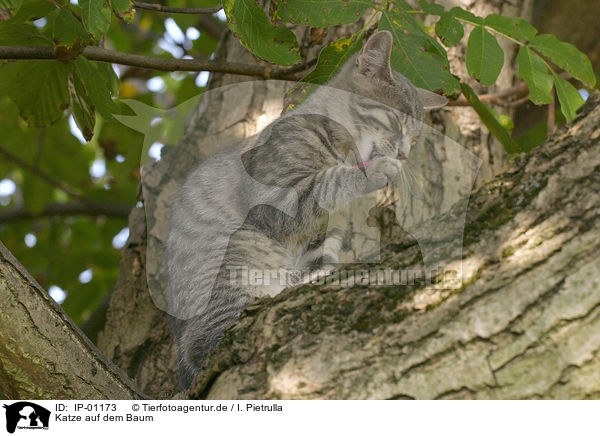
point(412, 183)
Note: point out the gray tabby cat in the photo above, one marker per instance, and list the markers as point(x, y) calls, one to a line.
point(263, 204)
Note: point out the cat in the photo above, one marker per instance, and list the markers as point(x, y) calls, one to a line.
point(263, 203)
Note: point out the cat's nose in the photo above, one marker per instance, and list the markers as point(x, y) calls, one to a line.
point(401, 156)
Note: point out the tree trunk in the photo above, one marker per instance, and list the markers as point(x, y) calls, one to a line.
point(42, 353)
point(136, 336)
point(524, 324)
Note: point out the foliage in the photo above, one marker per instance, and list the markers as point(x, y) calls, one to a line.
point(37, 96)
point(36, 100)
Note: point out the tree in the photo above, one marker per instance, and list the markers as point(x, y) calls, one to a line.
point(136, 333)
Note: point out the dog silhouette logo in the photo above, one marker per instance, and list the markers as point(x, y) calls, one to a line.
point(26, 415)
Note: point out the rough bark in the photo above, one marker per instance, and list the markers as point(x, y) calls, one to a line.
point(42, 353)
point(524, 324)
point(136, 335)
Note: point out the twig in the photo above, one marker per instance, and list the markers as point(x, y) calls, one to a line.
point(518, 89)
point(552, 114)
point(519, 101)
point(85, 206)
point(500, 97)
point(161, 64)
point(212, 26)
point(41, 174)
point(168, 9)
point(66, 209)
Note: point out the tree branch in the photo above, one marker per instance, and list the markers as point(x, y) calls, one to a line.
point(212, 26)
point(168, 9)
point(500, 97)
point(54, 359)
point(102, 55)
point(117, 210)
point(41, 174)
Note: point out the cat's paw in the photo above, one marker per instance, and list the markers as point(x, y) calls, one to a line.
point(381, 172)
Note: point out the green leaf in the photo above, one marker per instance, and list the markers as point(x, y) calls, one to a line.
point(250, 24)
point(11, 6)
point(534, 72)
point(332, 57)
point(33, 10)
point(489, 119)
point(485, 57)
point(514, 27)
point(569, 97)
point(68, 35)
point(534, 136)
point(40, 91)
point(83, 113)
point(431, 8)
point(417, 55)
point(123, 9)
point(449, 30)
point(110, 77)
point(92, 87)
point(96, 17)
point(321, 13)
point(467, 16)
point(22, 34)
point(566, 56)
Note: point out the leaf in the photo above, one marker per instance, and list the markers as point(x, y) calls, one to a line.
point(431, 8)
point(123, 9)
point(449, 30)
point(512, 26)
point(332, 57)
point(417, 55)
point(96, 17)
point(490, 121)
point(83, 113)
point(569, 97)
point(92, 87)
point(250, 24)
point(11, 6)
point(40, 91)
point(110, 77)
point(33, 10)
point(321, 13)
point(566, 56)
point(467, 16)
point(68, 35)
point(22, 34)
point(485, 57)
point(534, 72)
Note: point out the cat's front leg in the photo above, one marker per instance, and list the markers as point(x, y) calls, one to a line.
point(381, 171)
point(342, 183)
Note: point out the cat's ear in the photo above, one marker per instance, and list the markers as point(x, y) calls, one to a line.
point(431, 100)
point(374, 58)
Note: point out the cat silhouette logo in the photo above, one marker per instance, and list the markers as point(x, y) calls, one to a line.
point(26, 415)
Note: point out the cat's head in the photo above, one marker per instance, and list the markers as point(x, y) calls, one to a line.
point(369, 74)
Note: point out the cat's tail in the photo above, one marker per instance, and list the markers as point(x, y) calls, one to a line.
point(197, 336)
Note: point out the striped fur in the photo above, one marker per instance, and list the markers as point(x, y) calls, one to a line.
point(263, 204)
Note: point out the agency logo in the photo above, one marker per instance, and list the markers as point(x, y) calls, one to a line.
point(26, 415)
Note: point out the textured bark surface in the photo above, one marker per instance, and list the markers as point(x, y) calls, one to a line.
point(136, 335)
point(42, 353)
point(524, 324)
